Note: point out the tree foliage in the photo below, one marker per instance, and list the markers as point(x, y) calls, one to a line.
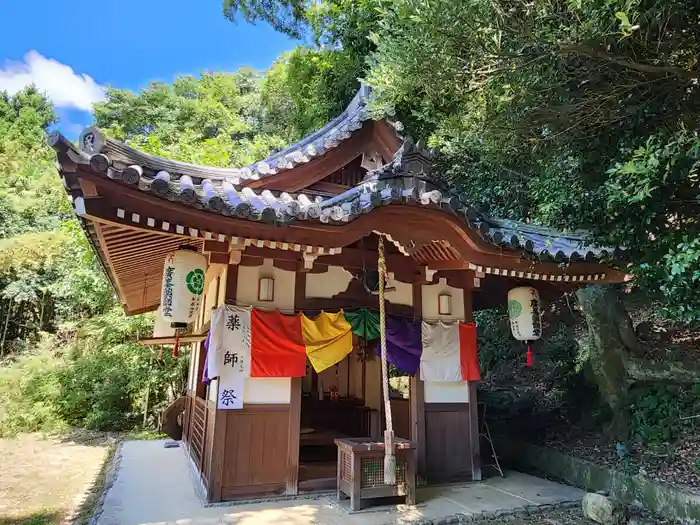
point(571, 114)
point(310, 85)
point(215, 119)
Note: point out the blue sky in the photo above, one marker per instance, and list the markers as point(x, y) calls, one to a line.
point(74, 48)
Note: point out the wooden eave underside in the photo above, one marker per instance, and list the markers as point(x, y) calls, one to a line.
point(131, 240)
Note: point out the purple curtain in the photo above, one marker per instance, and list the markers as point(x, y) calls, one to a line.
point(403, 344)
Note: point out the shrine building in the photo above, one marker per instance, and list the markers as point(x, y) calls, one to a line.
point(298, 233)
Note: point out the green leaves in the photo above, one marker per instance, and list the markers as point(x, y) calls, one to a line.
point(626, 28)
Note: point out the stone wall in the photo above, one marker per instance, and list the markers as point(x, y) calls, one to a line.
point(659, 498)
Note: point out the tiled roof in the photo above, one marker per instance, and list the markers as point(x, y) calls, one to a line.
point(407, 179)
point(130, 164)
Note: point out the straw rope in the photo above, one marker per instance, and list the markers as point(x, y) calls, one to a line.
point(389, 457)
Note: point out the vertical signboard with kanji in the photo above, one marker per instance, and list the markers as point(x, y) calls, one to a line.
point(231, 336)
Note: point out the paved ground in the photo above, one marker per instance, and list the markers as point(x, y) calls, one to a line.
point(152, 486)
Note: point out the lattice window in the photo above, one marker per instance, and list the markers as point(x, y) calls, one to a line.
point(346, 467)
point(373, 471)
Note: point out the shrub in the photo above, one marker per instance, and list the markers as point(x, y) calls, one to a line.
point(662, 413)
point(98, 380)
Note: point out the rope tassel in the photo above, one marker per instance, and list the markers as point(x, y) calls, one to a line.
point(529, 361)
point(389, 444)
point(176, 348)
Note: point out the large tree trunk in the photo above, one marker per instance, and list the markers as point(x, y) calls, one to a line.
point(609, 326)
point(616, 352)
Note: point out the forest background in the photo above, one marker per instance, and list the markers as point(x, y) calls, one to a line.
point(575, 114)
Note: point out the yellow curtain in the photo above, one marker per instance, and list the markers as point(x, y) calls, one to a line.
point(328, 339)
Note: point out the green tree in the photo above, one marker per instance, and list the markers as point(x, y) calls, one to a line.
point(576, 114)
point(312, 84)
point(215, 119)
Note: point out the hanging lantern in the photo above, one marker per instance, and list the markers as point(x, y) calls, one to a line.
point(183, 285)
point(161, 327)
point(524, 313)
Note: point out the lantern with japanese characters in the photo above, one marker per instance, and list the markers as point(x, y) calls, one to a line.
point(183, 286)
point(161, 327)
point(524, 314)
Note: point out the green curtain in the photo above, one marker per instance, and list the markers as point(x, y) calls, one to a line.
point(364, 323)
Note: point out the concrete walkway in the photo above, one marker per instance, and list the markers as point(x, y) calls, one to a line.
point(153, 486)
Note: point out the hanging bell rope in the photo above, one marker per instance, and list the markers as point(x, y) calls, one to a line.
point(389, 446)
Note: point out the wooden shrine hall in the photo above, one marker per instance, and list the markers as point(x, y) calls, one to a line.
point(299, 232)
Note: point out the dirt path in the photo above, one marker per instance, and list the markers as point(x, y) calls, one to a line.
point(45, 481)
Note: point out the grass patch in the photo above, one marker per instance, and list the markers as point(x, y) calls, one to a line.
point(144, 434)
point(44, 480)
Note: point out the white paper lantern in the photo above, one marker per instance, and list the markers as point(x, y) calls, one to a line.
point(524, 313)
point(183, 286)
point(161, 327)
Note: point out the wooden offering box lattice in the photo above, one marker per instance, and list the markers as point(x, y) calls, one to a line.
point(361, 471)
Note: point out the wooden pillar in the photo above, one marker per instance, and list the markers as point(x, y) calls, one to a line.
point(231, 283)
point(218, 456)
point(295, 402)
point(473, 402)
point(416, 396)
point(218, 437)
point(294, 431)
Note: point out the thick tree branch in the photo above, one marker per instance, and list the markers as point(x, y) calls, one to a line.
point(626, 63)
point(674, 371)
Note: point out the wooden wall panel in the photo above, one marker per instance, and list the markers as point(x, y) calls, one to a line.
point(401, 417)
point(448, 450)
point(208, 441)
point(256, 450)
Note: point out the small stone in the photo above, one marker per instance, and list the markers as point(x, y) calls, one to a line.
point(488, 515)
point(465, 518)
point(502, 513)
point(451, 520)
point(546, 507)
point(532, 509)
point(603, 510)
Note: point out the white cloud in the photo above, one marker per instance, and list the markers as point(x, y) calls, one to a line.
point(65, 87)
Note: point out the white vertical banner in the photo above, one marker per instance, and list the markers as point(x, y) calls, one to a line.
point(440, 360)
point(230, 347)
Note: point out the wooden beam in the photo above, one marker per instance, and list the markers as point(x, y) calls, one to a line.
point(231, 284)
point(218, 258)
point(216, 246)
point(150, 341)
point(299, 291)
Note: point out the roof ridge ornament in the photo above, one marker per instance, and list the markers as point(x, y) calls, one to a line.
point(91, 141)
